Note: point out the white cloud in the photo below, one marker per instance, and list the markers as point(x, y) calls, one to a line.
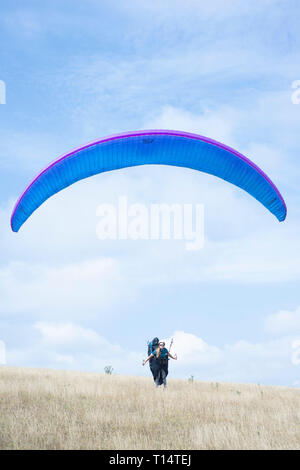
point(72, 290)
point(66, 333)
point(243, 361)
point(284, 322)
point(193, 350)
point(70, 346)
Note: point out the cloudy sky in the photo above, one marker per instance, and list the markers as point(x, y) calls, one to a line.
point(77, 71)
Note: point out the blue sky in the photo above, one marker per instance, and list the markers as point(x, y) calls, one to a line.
point(76, 71)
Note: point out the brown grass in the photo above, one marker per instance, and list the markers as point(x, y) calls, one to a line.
point(46, 409)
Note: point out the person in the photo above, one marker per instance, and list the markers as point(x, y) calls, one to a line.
point(160, 364)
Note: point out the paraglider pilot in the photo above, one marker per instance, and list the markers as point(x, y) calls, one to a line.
point(160, 358)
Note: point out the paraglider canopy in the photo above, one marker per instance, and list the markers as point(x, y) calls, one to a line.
point(162, 147)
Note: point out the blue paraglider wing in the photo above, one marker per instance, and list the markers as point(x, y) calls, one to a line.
point(161, 147)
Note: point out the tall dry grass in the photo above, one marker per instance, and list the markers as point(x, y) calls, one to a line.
point(46, 409)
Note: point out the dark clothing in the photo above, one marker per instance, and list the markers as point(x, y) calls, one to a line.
point(151, 347)
point(161, 379)
point(159, 367)
point(152, 366)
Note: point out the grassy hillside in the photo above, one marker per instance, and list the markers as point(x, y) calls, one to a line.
point(45, 409)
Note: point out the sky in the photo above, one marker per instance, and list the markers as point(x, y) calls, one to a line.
point(78, 71)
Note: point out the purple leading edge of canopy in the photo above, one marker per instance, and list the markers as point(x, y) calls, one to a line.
point(146, 133)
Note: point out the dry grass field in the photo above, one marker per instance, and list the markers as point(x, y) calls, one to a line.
point(46, 409)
